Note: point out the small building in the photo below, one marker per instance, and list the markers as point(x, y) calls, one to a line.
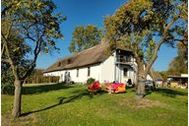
point(96, 63)
point(178, 81)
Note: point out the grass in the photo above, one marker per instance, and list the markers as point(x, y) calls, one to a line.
point(59, 105)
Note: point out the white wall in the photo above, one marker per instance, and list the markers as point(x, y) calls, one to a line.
point(148, 77)
point(96, 72)
point(107, 70)
point(83, 74)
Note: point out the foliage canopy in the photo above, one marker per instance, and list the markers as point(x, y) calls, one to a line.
point(84, 38)
point(144, 26)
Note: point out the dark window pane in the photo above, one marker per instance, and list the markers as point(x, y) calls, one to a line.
point(77, 73)
point(88, 74)
point(125, 72)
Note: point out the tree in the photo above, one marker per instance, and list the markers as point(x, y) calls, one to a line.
point(163, 74)
point(36, 23)
point(84, 38)
point(144, 26)
point(179, 64)
point(16, 53)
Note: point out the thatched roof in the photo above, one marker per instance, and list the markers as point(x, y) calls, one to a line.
point(94, 55)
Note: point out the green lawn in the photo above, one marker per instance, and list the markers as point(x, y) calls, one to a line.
point(57, 105)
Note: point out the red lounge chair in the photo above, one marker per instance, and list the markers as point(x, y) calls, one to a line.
point(94, 87)
point(120, 88)
point(116, 88)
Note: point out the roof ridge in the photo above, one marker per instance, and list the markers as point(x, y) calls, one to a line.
point(89, 48)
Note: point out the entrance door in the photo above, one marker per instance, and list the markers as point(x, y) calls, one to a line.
point(125, 75)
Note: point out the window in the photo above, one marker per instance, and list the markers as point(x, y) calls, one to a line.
point(88, 73)
point(59, 64)
point(69, 61)
point(125, 70)
point(77, 75)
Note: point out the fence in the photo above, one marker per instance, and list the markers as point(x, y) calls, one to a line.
point(42, 79)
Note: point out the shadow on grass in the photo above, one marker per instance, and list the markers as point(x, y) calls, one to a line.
point(131, 89)
point(64, 100)
point(43, 88)
point(170, 92)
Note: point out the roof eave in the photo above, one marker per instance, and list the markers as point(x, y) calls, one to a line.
point(69, 68)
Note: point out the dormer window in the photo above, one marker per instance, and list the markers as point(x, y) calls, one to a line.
point(59, 64)
point(69, 61)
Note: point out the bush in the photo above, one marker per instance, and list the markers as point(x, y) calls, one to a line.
point(7, 82)
point(7, 89)
point(90, 80)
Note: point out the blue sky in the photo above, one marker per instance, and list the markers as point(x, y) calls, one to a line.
point(84, 12)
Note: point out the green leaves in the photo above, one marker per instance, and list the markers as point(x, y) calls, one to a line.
point(183, 11)
point(84, 37)
point(37, 28)
point(137, 19)
point(136, 8)
point(131, 17)
point(179, 64)
point(34, 19)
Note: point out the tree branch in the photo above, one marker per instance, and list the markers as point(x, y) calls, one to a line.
point(13, 66)
point(36, 53)
point(3, 12)
point(27, 33)
point(29, 37)
point(2, 50)
point(158, 45)
point(7, 36)
point(5, 60)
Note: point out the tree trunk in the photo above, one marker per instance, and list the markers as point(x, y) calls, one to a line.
point(140, 87)
point(17, 99)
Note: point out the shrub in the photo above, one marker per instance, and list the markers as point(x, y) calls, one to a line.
point(90, 80)
point(7, 82)
point(7, 89)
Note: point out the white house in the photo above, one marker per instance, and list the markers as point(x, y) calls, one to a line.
point(95, 62)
